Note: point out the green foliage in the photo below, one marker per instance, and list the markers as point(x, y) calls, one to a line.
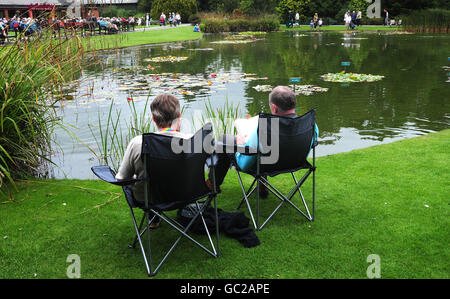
point(220, 6)
point(300, 6)
point(113, 11)
point(254, 7)
point(372, 21)
point(186, 8)
point(32, 75)
point(431, 20)
point(216, 24)
point(194, 18)
point(405, 7)
point(144, 6)
point(361, 5)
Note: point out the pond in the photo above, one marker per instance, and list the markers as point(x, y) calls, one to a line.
point(412, 99)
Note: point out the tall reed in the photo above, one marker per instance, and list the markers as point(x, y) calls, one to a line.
point(32, 73)
point(113, 136)
point(428, 21)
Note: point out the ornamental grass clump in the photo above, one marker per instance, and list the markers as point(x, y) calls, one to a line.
point(428, 21)
point(33, 70)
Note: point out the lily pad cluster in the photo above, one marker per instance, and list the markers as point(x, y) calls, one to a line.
point(306, 90)
point(201, 49)
point(234, 41)
point(181, 83)
point(344, 77)
point(168, 58)
point(239, 39)
point(252, 33)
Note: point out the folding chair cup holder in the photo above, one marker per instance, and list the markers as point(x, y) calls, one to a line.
point(163, 167)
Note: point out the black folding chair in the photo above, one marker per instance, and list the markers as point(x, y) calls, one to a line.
point(173, 180)
point(295, 140)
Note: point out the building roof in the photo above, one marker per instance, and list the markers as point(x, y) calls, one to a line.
point(104, 2)
point(29, 2)
point(64, 2)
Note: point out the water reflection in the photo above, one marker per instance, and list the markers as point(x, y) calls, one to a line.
point(412, 99)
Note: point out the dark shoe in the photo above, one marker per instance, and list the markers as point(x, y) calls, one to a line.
point(155, 223)
point(210, 186)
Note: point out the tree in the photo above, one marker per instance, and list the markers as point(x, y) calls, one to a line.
point(300, 6)
point(144, 5)
point(253, 7)
point(361, 5)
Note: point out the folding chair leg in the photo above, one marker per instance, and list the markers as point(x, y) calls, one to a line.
point(138, 235)
point(249, 193)
point(246, 199)
point(141, 231)
point(302, 198)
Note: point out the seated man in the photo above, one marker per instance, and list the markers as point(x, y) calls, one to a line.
point(282, 101)
point(167, 117)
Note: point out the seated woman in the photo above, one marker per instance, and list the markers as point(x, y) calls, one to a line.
point(166, 114)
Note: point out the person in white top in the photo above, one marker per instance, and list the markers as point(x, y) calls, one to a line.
point(167, 117)
point(347, 19)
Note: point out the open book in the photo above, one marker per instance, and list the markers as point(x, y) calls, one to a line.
point(245, 126)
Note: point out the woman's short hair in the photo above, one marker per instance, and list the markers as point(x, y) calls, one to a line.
point(283, 97)
point(165, 109)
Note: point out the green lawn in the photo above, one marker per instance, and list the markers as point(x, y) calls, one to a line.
point(129, 39)
point(390, 200)
point(340, 28)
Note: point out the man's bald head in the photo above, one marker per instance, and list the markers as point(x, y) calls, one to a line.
point(283, 97)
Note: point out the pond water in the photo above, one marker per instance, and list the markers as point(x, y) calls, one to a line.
point(411, 100)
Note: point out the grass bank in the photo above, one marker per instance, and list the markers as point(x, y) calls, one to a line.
point(390, 200)
point(138, 38)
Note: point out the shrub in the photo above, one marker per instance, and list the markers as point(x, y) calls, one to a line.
point(431, 20)
point(33, 73)
point(194, 19)
point(217, 24)
point(300, 6)
point(372, 21)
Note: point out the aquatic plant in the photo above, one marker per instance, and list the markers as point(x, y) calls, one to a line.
point(427, 21)
point(344, 77)
point(32, 73)
point(112, 139)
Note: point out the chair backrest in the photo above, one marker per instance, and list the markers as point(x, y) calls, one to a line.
point(295, 137)
point(176, 168)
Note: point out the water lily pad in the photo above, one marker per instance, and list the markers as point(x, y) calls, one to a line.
point(306, 90)
point(168, 58)
point(344, 77)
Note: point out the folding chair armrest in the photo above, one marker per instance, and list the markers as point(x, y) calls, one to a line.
point(108, 175)
point(236, 148)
